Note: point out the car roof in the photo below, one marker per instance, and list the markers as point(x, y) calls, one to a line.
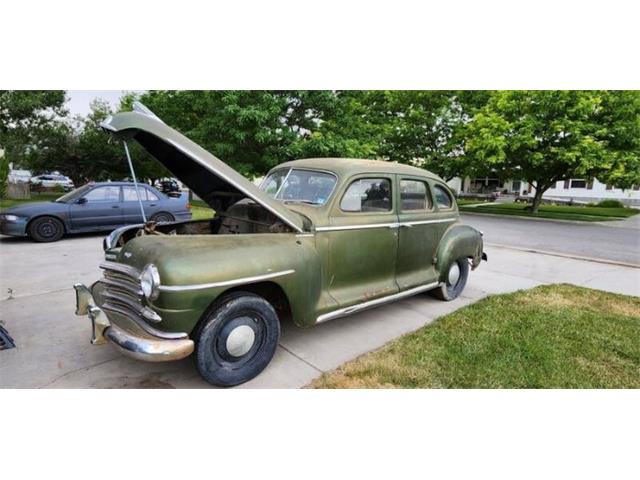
point(118, 184)
point(345, 167)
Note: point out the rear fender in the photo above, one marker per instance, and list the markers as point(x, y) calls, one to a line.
point(458, 241)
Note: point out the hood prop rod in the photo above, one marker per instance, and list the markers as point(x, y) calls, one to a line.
point(135, 181)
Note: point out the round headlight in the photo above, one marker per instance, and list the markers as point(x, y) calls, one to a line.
point(150, 281)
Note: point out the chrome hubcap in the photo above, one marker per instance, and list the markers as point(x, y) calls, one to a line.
point(240, 340)
point(454, 274)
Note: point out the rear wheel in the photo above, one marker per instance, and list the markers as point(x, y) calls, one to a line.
point(162, 217)
point(237, 339)
point(46, 229)
point(456, 280)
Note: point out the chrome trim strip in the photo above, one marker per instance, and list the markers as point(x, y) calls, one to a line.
point(128, 270)
point(122, 285)
point(208, 167)
point(425, 222)
point(112, 307)
point(342, 312)
point(357, 227)
point(141, 310)
point(112, 238)
point(381, 225)
point(226, 283)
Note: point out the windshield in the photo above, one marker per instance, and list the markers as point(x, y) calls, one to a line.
point(297, 185)
point(73, 194)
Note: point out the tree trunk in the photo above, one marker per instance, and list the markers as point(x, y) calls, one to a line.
point(537, 199)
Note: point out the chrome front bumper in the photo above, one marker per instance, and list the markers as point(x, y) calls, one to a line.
point(147, 347)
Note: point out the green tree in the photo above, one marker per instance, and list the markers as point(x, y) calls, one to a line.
point(26, 117)
point(252, 131)
point(547, 136)
point(423, 128)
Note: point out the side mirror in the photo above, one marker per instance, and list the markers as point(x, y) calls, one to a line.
point(81, 201)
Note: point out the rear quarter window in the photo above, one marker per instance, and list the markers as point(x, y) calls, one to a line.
point(444, 200)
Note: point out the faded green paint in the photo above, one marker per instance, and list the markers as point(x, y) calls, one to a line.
point(379, 254)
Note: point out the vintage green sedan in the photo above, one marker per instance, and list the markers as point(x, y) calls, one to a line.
point(319, 239)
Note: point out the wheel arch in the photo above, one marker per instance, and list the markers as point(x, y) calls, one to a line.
point(458, 241)
point(164, 212)
point(65, 227)
point(270, 291)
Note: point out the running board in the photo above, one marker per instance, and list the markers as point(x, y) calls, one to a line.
point(343, 312)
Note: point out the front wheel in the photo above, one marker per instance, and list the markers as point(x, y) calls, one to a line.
point(46, 229)
point(455, 281)
point(237, 339)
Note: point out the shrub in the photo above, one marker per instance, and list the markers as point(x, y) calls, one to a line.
point(610, 204)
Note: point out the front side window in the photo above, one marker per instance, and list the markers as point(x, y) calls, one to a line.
point(414, 196)
point(104, 194)
point(443, 199)
point(367, 195)
point(297, 185)
point(578, 183)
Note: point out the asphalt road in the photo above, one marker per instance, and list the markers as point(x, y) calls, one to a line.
point(617, 241)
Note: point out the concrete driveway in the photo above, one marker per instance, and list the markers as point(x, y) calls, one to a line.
point(53, 350)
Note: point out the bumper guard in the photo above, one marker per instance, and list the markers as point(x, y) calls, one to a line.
point(150, 349)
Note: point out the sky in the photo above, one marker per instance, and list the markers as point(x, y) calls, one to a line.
point(78, 101)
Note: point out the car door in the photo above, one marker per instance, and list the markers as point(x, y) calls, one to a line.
point(98, 209)
point(362, 238)
point(131, 206)
point(445, 208)
point(418, 234)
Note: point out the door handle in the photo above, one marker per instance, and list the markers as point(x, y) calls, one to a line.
point(406, 225)
point(152, 204)
point(115, 206)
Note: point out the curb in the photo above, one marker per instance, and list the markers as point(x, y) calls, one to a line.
point(565, 255)
point(536, 219)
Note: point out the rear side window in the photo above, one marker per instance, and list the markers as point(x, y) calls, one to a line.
point(367, 195)
point(414, 195)
point(152, 197)
point(443, 198)
point(129, 194)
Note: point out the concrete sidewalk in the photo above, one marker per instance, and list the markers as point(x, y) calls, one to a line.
point(53, 347)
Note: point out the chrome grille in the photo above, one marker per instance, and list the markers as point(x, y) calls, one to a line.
point(120, 293)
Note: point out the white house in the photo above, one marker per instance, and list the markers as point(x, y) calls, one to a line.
point(578, 189)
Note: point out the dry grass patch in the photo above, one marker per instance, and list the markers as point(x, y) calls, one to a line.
point(555, 336)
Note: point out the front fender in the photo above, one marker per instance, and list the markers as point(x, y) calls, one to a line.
point(195, 270)
point(458, 241)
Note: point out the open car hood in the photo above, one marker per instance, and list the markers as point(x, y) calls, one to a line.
point(210, 178)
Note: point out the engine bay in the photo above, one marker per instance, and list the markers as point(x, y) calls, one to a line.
point(243, 217)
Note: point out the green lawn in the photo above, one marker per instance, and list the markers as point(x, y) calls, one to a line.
point(556, 336)
point(466, 201)
point(35, 197)
point(562, 212)
point(200, 213)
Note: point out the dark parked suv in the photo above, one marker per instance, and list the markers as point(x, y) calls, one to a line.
point(91, 208)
